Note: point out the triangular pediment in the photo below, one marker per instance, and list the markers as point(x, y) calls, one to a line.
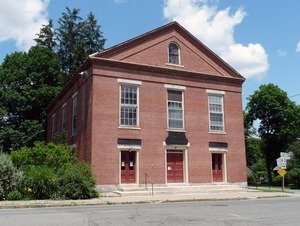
point(152, 49)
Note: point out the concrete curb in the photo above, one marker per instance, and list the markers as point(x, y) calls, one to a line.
point(251, 194)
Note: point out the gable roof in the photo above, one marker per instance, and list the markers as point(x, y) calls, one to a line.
point(173, 26)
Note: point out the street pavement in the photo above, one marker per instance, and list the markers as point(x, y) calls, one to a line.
point(111, 198)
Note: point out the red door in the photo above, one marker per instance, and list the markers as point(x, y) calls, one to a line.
point(217, 167)
point(175, 167)
point(127, 167)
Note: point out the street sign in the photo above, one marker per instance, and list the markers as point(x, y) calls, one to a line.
point(276, 168)
point(281, 172)
point(281, 162)
point(286, 155)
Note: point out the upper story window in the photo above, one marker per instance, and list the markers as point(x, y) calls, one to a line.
point(175, 109)
point(53, 127)
point(74, 114)
point(129, 103)
point(216, 112)
point(173, 54)
point(64, 118)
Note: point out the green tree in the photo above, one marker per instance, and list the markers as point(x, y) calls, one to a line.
point(28, 83)
point(76, 39)
point(279, 121)
point(46, 37)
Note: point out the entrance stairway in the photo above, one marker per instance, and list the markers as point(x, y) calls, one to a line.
point(170, 189)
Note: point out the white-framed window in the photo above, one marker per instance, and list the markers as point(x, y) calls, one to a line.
point(63, 118)
point(173, 52)
point(175, 109)
point(53, 127)
point(74, 114)
point(216, 112)
point(129, 103)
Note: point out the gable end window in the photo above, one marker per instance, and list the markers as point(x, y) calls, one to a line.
point(216, 112)
point(173, 54)
point(129, 105)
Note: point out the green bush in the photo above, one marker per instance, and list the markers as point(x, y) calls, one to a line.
point(10, 177)
point(40, 182)
point(54, 156)
point(293, 177)
point(52, 171)
point(76, 181)
point(14, 195)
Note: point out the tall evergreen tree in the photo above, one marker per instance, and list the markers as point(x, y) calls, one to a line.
point(46, 37)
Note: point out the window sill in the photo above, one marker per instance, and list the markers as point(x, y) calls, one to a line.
point(175, 65)
point(128, 127)
point(218, 132)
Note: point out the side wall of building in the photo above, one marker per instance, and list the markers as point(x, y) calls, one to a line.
point(80, 139)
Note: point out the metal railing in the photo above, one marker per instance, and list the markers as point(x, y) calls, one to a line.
point(147, 179)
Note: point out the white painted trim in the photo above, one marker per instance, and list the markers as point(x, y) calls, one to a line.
point(137, 126)
point(128, 81)
point(218, 150)
point(185, 163)
point(135, 149)
point(74, 94)
point(175, 65)
point(219, 92)
point(175, 87)
point(129, 147)
point(179, 147)
point(223, 113)
point(64, 105)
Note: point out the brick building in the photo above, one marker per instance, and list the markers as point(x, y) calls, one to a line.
point(160, 104)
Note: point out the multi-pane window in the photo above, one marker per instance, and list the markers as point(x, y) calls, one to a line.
point(74, 115)
point(64, 118)
point(173, 54)
point(53, 126)
point(175, 109)
point(129, 105)
point(216, 114)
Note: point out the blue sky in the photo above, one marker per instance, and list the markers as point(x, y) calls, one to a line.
point(260, 39)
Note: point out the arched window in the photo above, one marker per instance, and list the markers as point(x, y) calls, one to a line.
point(173, 54)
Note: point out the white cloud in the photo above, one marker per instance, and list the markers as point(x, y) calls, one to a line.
point(281, 53)
point(298, 47)
point(215, 28)
point(21, 20)
point(120, 1)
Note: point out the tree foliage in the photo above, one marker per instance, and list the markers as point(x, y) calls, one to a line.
point(73, 40)
point(28, 83)
point(279, 121)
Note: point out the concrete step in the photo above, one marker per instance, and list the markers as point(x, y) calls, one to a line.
point(178, 189)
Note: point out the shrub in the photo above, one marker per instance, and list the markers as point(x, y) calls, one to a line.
point(293, 177)
point(76, 181)
point(40, 182)
point(14, 195)
point(10, 177)
point(54, 156)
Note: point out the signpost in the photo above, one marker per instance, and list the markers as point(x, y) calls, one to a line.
point(281, 165)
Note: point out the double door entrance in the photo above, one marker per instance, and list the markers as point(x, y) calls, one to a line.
point(217, 167)
point(128, 167)
point(175, 167)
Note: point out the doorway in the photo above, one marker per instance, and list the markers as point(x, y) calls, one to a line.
point(175, 167)
point(217, 167)
point(128, 167)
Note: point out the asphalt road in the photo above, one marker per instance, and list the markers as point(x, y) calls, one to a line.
point(275, 211)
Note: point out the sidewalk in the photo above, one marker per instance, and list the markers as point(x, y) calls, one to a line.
point(109, 200)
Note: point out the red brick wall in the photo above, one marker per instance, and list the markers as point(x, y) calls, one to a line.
point(153, 123)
